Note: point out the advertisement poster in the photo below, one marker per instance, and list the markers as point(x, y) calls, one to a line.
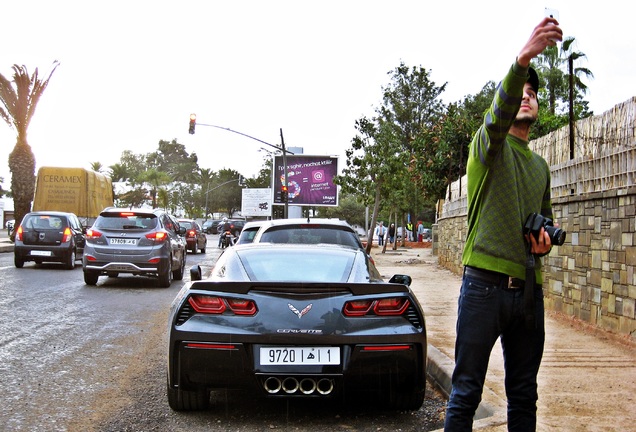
point(309, 180)
point(256, 202)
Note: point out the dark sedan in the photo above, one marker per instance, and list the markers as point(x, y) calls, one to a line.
point(195, 236)
point(296, 321)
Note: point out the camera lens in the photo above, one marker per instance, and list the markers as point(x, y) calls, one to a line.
point(557, 235)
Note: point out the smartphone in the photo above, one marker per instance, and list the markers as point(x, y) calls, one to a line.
point(552, 13)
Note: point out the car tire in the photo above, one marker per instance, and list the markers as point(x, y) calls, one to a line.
point(178, 274)
point(69, 262)
point(410, 400)
point(19, 262)
point(165, 275)
point(184, 400)
point(90, 277)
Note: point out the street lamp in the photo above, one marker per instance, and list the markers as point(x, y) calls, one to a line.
point(281, 148)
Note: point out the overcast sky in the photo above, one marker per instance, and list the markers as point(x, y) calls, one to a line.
point(131, 72)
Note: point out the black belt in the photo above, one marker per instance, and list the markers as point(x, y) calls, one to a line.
point(494, 278)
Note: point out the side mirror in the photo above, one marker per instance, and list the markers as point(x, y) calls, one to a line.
point(195, 273)
point(401, 279)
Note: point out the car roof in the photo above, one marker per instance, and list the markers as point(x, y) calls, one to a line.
point(297, 221)
point(51, 213)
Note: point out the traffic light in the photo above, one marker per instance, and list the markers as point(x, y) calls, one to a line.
point(283, 193)
point(193, 123)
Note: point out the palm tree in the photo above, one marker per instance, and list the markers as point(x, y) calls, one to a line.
point(575, 85)
point(19, 107)
point(97, 166)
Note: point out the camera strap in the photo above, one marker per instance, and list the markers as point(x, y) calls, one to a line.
point(528, 291)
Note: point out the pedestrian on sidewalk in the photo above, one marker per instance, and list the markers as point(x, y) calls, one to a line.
point(392, 234)
point(380, 231)
point(506, 183)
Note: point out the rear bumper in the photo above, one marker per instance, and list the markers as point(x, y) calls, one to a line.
point(43, 253)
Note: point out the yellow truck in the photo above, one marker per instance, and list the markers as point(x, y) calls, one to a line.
point(76, 190)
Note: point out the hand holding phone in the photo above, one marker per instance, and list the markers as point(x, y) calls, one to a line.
point(552, 13)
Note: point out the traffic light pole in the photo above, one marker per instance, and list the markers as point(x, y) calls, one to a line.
point(282, 147)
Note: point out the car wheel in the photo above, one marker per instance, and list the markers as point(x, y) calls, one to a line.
point(90, 277)
point(69, 263)
point(19, 262)
point(184, 400)
point(410, 400)
point(178, 274)
point(165, 274)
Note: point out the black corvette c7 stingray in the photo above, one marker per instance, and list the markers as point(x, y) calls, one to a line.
point(296, 321)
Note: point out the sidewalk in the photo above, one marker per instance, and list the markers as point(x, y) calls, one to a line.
point(587, 380)
point(5, 244)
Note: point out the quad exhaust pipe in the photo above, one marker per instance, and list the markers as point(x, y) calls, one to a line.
point(291, 385)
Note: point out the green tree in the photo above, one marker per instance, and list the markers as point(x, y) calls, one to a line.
point(156, 180)
point(19, 105)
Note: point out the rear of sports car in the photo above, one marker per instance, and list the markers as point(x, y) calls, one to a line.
point(309, 340)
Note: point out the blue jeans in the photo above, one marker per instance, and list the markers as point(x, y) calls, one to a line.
point(486, 312)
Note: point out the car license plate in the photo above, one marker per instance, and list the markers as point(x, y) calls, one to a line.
point(300, 356)
point(41, 253)
point(120, 241)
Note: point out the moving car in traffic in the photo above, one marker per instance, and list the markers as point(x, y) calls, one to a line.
point(49, 236)
point(298, 321)
point(195, 237)
point(138, 242)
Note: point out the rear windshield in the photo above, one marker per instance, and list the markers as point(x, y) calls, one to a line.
point(311, 234)
point(313, 265)
point(124, 221)
point(44, 222)
point(186, 224)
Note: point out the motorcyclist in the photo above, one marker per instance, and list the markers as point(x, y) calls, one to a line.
point(225, 229)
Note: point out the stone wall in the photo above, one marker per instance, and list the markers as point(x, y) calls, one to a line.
point(593, 275)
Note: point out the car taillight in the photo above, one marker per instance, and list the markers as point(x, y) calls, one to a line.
point(66, 237)
point(18, 233)
point(92, 234)
point(192, 233)
point(391, 306)
point(218, 305)
point(357, 307)
point(383, 307)
point(157, 236)
point(242, 307)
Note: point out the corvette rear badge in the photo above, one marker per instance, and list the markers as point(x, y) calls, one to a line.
point(299, 313)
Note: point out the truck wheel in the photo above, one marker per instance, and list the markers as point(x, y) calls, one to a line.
point(90, 277)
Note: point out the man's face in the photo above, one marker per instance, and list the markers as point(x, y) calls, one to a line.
point(529, 109)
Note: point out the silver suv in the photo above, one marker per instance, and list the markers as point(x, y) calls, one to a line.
point(138, 242)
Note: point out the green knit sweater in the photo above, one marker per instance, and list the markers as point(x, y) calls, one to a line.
point(506, 182)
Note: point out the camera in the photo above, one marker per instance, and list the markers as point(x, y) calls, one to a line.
point(533, 225)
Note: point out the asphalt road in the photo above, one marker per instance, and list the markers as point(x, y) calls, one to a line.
point(78, 358)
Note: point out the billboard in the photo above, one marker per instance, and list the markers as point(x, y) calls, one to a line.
point(309, 180)
point(256, 202)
